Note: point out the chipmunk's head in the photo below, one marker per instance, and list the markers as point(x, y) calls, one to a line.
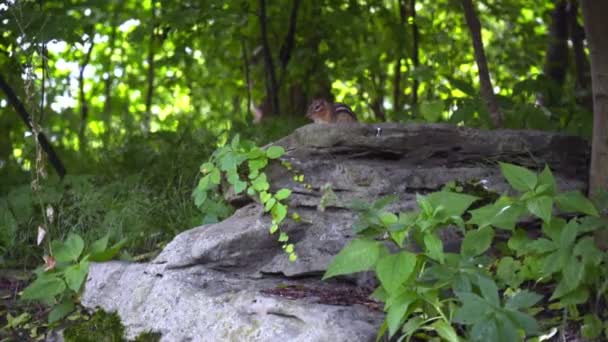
point(319, 111)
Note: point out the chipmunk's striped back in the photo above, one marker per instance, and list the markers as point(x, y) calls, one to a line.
point(323, 111)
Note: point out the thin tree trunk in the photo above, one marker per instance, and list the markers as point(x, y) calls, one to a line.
point(581, 62)
point(248, 84)
point(290, 40)
point(271, 79)
point(487, 93)
point(41, 138)
point(84, 106)
point(109, 71)
point(556, 57)
point(397, 91)
point(150, 93)
point(415, 51)
point(594, 14)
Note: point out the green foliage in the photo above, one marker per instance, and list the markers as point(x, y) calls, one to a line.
point(62, 278)
point(241, 164)
point(104, 327)
point(479, 290)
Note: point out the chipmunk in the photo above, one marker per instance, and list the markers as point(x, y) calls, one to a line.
point(323, 111)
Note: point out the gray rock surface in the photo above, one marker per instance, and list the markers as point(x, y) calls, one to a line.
point(212, 283)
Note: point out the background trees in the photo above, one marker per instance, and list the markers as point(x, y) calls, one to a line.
point(126, 88)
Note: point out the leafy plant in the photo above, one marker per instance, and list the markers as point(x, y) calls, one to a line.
point(241, 164)
point(479, 291)
point(60, 281)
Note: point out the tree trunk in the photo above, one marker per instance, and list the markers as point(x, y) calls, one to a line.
point(41, 138)
point(582, 90)
point(84, 106)
point(594, 14)
point(109, 71)
point(271, 79)
point(415, 56)
point(487, 93)
point(556, 57)
point(150, 93)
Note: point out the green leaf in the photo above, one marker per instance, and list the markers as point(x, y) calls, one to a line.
point(260, 183)
point(541, 207)
point(387, 218)
point(394, 270)
point(61, 310)
point(69, 250)
point(453, 203)
point(397, 310)
point(274, 152)
point(503, 214)
point(485, 331)
point(76, 274)
point(507, 271)
point(488, 289)
point(592, 327)
point(214, 176)
point(574, 201)
point(359, 255)
point(255, 165)
point(523, 321)
point(279, 211)
point(473, 310)
point(239, 186)
point(568, 235)
point(522, 300)
point(434, 247)
point(100, 245)
point(546, 183)
point(445, 331)
point(431, 110)
point(282, 194)
point(477, 242)
point(109, 253)
point(521, 179)
point(44, 288)
point(269, 204)
point(206, 168)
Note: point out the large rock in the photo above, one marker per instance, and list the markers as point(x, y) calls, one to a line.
point(231, 281)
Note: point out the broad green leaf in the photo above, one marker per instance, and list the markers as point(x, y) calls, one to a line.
point(214, 176)
point(592, 327)
point(523, 321)
point(269, 204)
point(445, 331)
point(69, 250)
point(282, 194)
point(279, 211)
point(588, 251)
point(519, 242)
point(206, 168)
point(431, 110)
point(453, 203)
point(76, 274)
point(554, 228)
point(521, 179)
point(393, 270)
point(546, 183)
point(507, 271)
point(274, 152)
point(260, 183)
point(488, 289)
point(44, 288)
point(255, 165)
point(101, 244)
point(507, 329)
point(522, 300)
point(61, 310)
point(387, 218)
point(473, 310)
point(434, 247)
point(566, 298)
point(359, 255)
point(541, 207)
point(109, 253)
point(239, 186)
point(398, 309)
point(477, 242)
point(568, 235)
point(574, 201)
point(485, 331)
point(573, 273)
point(541, 246)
